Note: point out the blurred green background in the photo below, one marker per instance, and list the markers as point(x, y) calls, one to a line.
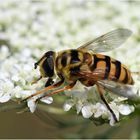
point(57, 25)
point(29, 126)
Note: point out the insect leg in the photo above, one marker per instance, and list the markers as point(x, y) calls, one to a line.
point(35, 81)
point(67, 87)
point(49, 82)
point(100, 90)
point(45, 89)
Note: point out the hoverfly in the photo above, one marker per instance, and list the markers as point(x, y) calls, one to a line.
point(87, 65)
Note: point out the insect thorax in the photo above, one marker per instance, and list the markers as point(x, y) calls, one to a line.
point(69, 62)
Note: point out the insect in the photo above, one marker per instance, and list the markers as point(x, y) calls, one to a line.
point(87, 65)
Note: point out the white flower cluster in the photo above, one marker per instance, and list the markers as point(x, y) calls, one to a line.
point(89, 104)
point(30, 29)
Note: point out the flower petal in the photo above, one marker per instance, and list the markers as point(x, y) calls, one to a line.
point(15, 78)
point(79, 107)
point(4, 98)
point(126, 109)
point(68, 105)
point(47, 100)
point(99, 110)
point(32, 105)
point(112, 121)
point(87, 111)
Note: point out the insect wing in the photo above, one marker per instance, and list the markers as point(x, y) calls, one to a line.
point(108, 41)
point(115, 87)
point(120, 89)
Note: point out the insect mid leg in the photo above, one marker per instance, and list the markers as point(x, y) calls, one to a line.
point(100, 90)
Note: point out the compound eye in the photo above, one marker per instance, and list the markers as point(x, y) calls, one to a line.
point(48, 66)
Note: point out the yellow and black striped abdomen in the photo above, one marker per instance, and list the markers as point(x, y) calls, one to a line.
point(111, 69)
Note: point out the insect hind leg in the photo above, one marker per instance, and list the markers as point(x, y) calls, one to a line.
point(100, 90)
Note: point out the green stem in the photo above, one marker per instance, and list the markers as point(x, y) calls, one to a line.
point(12, 105)
point(50, 109)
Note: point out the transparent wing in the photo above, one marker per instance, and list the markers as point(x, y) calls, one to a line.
point(124, 90)
point(108, 41)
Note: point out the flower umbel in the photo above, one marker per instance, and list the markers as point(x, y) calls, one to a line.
point(89, 104)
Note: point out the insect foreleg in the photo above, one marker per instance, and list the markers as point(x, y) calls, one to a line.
point(101, 90)
point(49, 82)
point(35, 81)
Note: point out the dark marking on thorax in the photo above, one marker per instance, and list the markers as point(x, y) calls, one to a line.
point(64, 59)
point(74, 56)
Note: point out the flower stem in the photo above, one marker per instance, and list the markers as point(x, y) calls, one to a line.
point(12, 105)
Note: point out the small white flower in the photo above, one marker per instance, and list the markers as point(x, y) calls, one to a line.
point(125, 109)
point(47, 100)
point(5, 90)
point(99, 110)
point(26, 53)
point(17, 92)
point(6, 86)
point(68, 105)
point(15, 78)
point(87, 111)
point(79, 98)
point(5, 98)
point(32, 104)
point(26, 93)
point(4, 51)
point(112, 121)
point(79, 106)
